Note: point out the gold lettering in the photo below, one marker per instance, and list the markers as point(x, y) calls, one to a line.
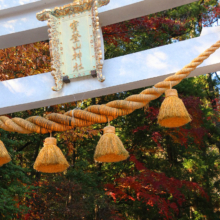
point(75, 37)
point(81, 67)
point(74, 26)
point(76, 67)
point(77, 55)
point(77, 47)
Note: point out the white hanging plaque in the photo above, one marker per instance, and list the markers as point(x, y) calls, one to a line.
point(75, 40)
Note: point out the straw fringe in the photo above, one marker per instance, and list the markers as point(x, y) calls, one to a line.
point(51, 158)
point(4, 155)
point(173, 112)
point(110, 148)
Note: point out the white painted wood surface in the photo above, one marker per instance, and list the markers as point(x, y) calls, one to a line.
point(123, 73)
point(18, 23)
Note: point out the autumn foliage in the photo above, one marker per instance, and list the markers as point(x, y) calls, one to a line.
point(26, 60)
point(153, 189)
point(171, 174)
point(155, 25)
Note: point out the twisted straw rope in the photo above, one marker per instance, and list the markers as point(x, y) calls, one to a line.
point(101, 113)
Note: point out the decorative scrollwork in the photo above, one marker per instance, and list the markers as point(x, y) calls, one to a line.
point(78, 6)
point(102, 2)
point(98, 43)
point(54, 52)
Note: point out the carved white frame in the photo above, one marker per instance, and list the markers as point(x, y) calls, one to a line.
point(52, 16)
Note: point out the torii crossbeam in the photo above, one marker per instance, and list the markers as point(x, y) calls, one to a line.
point(19, 25)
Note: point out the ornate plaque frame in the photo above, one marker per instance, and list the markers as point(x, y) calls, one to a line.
point(75, 40)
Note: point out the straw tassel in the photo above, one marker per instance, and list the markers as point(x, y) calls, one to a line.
point(173, 112)
point(51, 158)
point(4, 155)
point(110, 148)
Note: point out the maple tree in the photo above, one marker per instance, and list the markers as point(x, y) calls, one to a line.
point(159, 29)
point(186, 153)
point(153, 189)
point(25, 60)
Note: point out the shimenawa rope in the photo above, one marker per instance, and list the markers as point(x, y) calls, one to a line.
point(101, 113)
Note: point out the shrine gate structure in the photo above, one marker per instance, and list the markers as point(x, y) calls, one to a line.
point(19, 26)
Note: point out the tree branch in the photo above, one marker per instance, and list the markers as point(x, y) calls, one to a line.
point(22, 148)
point(217, 76)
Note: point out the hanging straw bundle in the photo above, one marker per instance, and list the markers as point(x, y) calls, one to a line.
point(51, 158)
point(173, 112)
point(110, 148)
point(4, 156)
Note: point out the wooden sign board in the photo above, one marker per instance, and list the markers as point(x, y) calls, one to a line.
point(75, 41)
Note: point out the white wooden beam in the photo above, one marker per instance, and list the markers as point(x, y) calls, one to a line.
point(123, 73)
point(116, 12)
point(19, 26)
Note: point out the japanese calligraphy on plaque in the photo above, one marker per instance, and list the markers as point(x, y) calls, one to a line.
point(75, 40)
